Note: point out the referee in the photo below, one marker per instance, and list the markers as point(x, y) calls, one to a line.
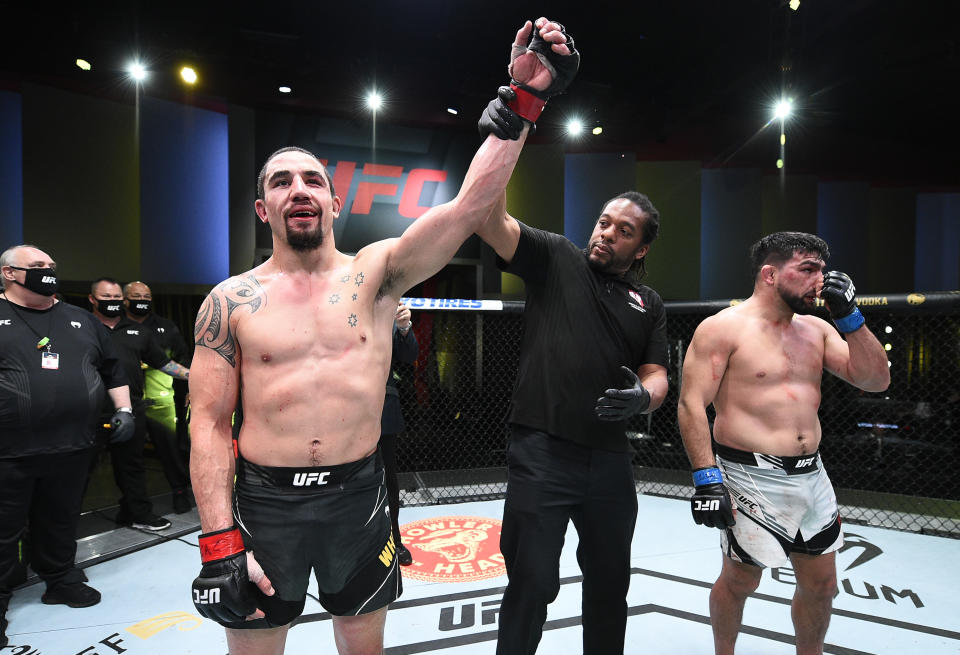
point(57, 364)
point(593, 354)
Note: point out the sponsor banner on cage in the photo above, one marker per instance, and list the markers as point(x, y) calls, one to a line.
point(453, 304)
point(453, 549)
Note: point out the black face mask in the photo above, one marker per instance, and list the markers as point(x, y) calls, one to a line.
point(39, 280)
point(140, 307)
point(109, 308)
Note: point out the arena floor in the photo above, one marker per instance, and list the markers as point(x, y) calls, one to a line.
point(897, 593)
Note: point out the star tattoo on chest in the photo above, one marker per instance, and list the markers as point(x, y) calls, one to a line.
point(334, 298)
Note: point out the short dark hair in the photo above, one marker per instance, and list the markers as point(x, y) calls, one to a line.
point(263, 170)
point(651, 228)
point(778, 247)
point(93, 285)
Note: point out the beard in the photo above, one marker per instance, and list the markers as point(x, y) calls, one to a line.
point(796, 303)
point(614, 263)
point(304, 240)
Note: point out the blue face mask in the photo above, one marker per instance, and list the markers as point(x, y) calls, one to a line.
point(42, 281)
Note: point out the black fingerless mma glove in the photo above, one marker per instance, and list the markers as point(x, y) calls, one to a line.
point(223, 591)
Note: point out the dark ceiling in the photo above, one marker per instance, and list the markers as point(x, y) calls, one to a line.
point(874, 81)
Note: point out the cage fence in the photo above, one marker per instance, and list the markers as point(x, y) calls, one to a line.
point(888, 454)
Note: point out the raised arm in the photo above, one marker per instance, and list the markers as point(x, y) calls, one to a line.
point(860, 360)
point(432, 240)
point(501, 231)
point(214, 386)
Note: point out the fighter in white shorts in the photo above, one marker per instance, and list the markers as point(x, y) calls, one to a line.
point(760, 364)
point(784, 505)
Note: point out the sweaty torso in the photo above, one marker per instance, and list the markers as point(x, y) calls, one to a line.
point(313, 361)
point(769, 395)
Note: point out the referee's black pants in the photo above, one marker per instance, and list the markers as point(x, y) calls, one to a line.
point(46, 492)
point(551, 482)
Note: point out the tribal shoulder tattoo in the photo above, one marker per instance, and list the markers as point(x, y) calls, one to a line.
point(212, 329)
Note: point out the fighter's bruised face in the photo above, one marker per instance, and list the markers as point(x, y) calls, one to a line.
point(297, 196)
point(617, 239)
point(799, 281)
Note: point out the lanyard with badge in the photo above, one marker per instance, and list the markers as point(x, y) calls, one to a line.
point(48, 359)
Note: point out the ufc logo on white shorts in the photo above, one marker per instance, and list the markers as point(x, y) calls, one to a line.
point(306, 479)
point(206, 596)
point(706, 505)
point(806, 461)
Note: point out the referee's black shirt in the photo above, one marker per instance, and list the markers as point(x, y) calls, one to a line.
point(580, 327)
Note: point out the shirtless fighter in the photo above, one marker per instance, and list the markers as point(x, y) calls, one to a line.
point(760, 364)
point(305, 339)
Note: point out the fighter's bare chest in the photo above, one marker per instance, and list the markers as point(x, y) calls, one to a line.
point(790, 353)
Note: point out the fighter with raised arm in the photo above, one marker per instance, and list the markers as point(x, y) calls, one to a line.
point(305, 340)
point(760, 364)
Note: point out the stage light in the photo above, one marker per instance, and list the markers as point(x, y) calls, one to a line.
point(574, 127)
point(888, 329)
point(794, 4)
point(451, 110)
point(888, 347)
point(284, 89)
point(783, 139)
point(779, 163)
point(374, 100)
point(783, 109)
point(597, 130)
point(188, 75)
point(83, 64)
point(137, 71)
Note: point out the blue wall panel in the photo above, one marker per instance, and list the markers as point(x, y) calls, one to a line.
point(11, 170)
point(843, 217)
point(938, 242)
point(184, 194)
point(589, 181)
point(731, 209)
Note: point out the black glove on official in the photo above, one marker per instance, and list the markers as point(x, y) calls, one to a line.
point(123, 426)
point(563, 68)
point(620, 404)
point(839, 295)
point(710, 503)
point(500, 120)
point(223, 591)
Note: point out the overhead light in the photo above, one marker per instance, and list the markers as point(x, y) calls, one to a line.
point(451, 110)
point(374, 100)
point(794, 4)
point(574, 127)
point(188, 75)
point(83, 64)
point(597, 130)
point(284, 89)
point(888, 347)
point(137, 71)
point(783, 109)
point(888, 329)
point(779, 163)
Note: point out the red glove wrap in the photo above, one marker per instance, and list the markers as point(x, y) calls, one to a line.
point(526, 105)
point(220, 544)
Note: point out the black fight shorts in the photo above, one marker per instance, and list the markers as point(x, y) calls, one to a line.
point(331, 520)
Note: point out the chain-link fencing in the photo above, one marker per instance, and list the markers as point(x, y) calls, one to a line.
point(890, 455)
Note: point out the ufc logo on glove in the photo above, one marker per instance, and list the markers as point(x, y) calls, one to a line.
point(706, 505)
point(206, 596)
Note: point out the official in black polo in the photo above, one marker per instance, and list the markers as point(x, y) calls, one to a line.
point(57, 365)
point(593, 354)
point(135, 344)
point(161, 409)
